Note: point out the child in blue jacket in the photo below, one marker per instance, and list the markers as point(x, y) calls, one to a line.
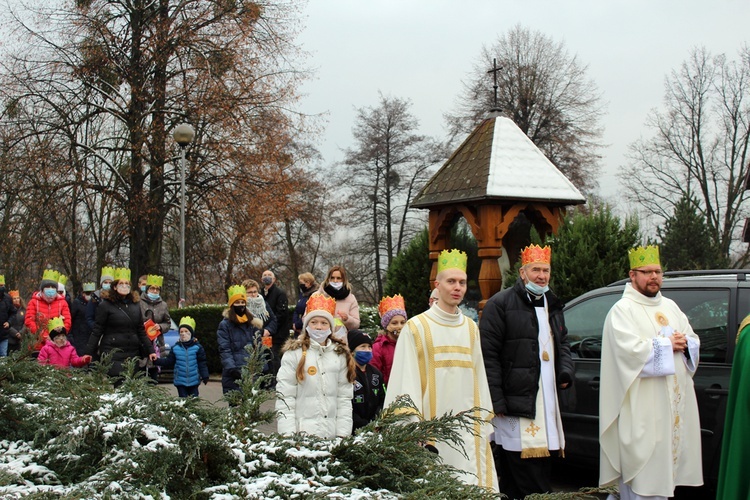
point(188, 359)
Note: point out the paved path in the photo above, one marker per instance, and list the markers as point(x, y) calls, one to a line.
point(212, 392)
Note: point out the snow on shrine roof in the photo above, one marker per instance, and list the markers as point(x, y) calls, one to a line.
point(498, 161)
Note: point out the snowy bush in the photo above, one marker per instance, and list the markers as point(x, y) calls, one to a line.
point(69, 434)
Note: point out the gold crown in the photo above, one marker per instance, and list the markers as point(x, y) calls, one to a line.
point(89, 287)
point(121, 273)
point(55, 322)
point(62, 279)
point(14, 294)
point(154, 280)
point(535, 253)
point(2, 279)
point(452, 259)
point(235, 293)
point(108, 272)
point(188, 321)
point(644, 256)
point(50, 275)
point(391, 303)
point(318, 301)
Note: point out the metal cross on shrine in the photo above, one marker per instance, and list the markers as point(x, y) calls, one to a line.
point(494, 71)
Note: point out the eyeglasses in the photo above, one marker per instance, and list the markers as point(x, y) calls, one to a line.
point(658, 272)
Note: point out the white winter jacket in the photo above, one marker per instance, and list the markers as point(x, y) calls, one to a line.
point(322, 403)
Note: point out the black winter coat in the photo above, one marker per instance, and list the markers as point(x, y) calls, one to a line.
point(7, 313)
point(509, 332)
point(119, 326)
point(369, 396)
point(79, 331)
point(279, 304)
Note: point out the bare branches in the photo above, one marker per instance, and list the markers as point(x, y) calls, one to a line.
point(699, 147)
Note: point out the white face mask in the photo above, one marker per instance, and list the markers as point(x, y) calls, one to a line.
point(338, 285)
point(123, 289)
point(319, 336)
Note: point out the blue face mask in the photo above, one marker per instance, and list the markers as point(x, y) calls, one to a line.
point(143, 289)
point(536, 289)
point(362, 357)
point(50, 293)
point(106, 286)
point(153, 296)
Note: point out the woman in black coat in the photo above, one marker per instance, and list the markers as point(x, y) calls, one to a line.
point(118, 328)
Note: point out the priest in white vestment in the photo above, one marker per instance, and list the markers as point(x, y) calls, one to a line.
point(649, 429)
point(438, 364)
point(527, 358)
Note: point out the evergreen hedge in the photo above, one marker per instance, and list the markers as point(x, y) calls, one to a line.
point(207, 318)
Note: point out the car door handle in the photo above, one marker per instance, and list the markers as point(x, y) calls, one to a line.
point(594, 383)
point(715, 391)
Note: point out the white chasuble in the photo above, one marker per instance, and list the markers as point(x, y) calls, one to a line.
point(649, 431)
point(438, 363)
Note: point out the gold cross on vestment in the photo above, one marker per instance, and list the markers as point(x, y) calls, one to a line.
point(533, 429)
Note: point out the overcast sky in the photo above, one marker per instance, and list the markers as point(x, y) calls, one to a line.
point(422, 50)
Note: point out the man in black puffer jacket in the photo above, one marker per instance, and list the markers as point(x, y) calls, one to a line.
point(527, 359)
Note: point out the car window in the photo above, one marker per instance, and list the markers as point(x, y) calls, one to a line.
point(585, 321)
point(708, 313)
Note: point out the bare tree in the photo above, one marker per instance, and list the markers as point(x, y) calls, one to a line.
point(383, 171)
point(699, 148)
point(109, 80)
point(546, 92)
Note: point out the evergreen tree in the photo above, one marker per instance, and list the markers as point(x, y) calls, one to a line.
point(685, 240)
point(409, 274)
point(591, 250)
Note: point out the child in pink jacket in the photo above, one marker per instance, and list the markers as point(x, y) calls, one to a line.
point(58, 351)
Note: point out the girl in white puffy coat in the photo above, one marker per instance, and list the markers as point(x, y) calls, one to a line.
point(315, 381)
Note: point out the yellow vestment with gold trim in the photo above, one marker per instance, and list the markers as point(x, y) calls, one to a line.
point(438, 363)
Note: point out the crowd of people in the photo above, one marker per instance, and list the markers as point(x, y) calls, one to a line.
point(333, 379)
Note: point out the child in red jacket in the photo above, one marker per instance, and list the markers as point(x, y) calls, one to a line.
point(58, 351)
point(392, 318)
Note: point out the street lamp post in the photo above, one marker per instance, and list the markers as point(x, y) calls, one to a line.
point(183, 135)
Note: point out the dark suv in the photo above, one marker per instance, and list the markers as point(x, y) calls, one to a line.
point(715, 302)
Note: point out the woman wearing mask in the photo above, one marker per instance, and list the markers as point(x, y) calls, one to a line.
point(316, 376)
point(336, 286)
point(307, 286)
point(118, 329)
point(16, 323)
point(392, 318)
point(45, 305)
point(155, 309)
point(235, 331)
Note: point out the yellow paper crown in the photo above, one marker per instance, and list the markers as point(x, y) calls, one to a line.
point(121, 273)
point(535, 253)
point(89, 287)
point(318, 301)
point(452, 259)
point(391, 303)
point(235, 293)
point(2, 279)
point(644, 256)
point(56, 322)
point(154, 280)
point(62, 279)
point(108, 273)
point(188, 321)
point(50, 275)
